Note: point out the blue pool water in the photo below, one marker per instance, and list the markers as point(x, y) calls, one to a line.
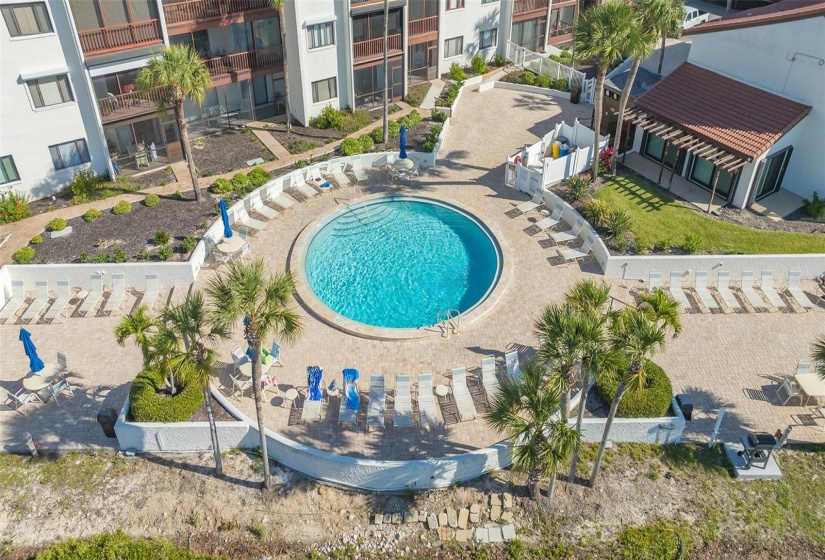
point(398, 263)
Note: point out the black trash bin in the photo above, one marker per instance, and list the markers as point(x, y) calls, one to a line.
point(575, 94)
point(686, 405)
point(107, 418)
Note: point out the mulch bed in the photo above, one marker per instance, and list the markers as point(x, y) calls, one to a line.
point(226, 152)
point(157, 178)
point(415, 137)
point(303, 138)
point(132, 232)
point(219, 412)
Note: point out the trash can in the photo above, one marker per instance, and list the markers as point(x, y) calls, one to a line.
point(686, 405)
point(107, 418)
point(575, 94)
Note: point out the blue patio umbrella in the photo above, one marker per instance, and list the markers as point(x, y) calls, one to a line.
point(351, 396)
point(35, 363)
point(227, 231)
point(402, 141)
point(314, 375)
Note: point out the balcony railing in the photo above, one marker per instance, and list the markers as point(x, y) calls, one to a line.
point(243, 61)
point(95, 41)
point(124, 105)
point(375, 47)
point(523, 6)
point(423, 26)
point(193, 10)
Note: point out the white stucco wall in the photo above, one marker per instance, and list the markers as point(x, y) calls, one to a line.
point(169, 274)
point(468, 22)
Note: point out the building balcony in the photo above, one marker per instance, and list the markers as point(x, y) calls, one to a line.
point(525, 6)
point(425, 26)
point(245, 61)
point(194, 10)
point(366, 50)
point(119, 37)
point(116, 107)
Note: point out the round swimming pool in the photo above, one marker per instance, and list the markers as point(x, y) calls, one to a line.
point(399, 262)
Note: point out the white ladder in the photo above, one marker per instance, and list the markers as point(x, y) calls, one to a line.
point(449, 320)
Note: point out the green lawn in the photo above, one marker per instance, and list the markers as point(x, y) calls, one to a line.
point(660, 221)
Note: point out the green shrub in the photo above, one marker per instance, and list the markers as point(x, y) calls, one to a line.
point(658, 539)
point(148, 406)
point(377, 134)
point(432, 138)
point(122, 207)
point(413, 119)
point(258, 176)
point(528, 78)
point(438, 116)
point(161, 237)
point(118, 545)
point(144, 255)
point(415, 96)
point(367, 143)
point(561, 84)
point(351, 147)
point(178, 195)
point(457, 73)
point(92, 214)
point(566, 57)
point(692, 243)
point(151, 200)
point(596, 211)
point(499, 61)
point(13, 207)
point(241, 184)
point(23, 255)
point(119, 255)
point(258, 530)
point(84, 256)
point(164, 252)
point(816, 206)
point(84, 186)
point(100, 258)
point(393, 129)
point(36, 240)
point(353, 121)
point(651, 401)
point(221, 186)
point(478, 65)
point(58, 224)
point(330, 117)
point(618, 222)
point(452, 93)
point(188, 243)
point(544, 81)
point(577, 187)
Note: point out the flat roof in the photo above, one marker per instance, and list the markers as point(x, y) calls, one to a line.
point(788, 10)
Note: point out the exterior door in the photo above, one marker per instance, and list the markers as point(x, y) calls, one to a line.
point(432, 61)
point(772, 173)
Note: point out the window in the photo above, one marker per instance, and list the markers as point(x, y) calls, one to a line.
point(320, 35)
point(453, 47)
point(27, 19)
point(488, 38)
point(561, 20)
point(50, 91)
point(8, 171)
point(324, 89)
point(455, 4)
point(69, 154)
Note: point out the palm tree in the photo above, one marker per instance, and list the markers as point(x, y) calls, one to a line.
point(524, 409)
point(189, 336)
point(662, 309)
point(600, 34)
point(140, 325)
point(637, 337)
point(278, 6)
point(640, 41)
point(664, 18)
point(245, 291)
point(818, 355)
point(181, 71)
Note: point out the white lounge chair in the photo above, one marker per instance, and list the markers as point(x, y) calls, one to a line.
point(58, 308)
point(347, 415)
point(654, 280)
point(300, 185)
point(488, 377)
point(312, 410)
point(241, 217)
point(403, 402)
point(278, 196)
point(723, 287)
point(94, 296)
point(115, 300)
point(748, 289)
point(676, 290)
point(796, 291)
point(315, 178)
point(240, 385)
point(553, 219)
point(152, 292)
point(256, 204)
point(360, 174)
point(18, 297)
point(463, 398)
point(767, 288)
point(427, 411)
point(40, 302)
point(570, 234)
point(338, 173)
point(513, 367)
point(702, 292)
point(377, 406)
point(531, 205)
point(577, 253)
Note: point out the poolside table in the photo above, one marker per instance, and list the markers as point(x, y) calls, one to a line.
point(232, 245)
point(811, 384)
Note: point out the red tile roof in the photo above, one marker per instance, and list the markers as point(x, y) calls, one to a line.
point(741, 119)
point(788, 10)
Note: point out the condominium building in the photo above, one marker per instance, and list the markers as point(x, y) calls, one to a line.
point(69, 66)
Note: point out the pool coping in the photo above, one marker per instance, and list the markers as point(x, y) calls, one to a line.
point(318, 309)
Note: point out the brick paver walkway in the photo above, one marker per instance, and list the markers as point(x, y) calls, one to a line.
point(730, 359)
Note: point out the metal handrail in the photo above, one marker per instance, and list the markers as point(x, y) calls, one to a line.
point(449, 319)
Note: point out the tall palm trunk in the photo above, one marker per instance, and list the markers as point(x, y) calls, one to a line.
point(282, 21)
point(551, 485)
point(534, 483)
point(187, 149)
point(617, 140)
point(259, 411)
point(597, 117)
point(606, 436)
point(662, 55)
point(213, 430)
point(386, 80)
point(574, 460)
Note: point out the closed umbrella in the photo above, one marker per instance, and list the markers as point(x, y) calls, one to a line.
point(35, 363)
point(402, 141)
point(227, 231)
point(351, 396)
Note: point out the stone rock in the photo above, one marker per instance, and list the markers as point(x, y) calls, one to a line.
point(432, 522)
point(508, 500)
point(475, 508)
point(442, 519)
point(495, 500)
point(342, 512)
point(482, 535)
point(475, 518)
point(495, 513)
point(495, 534)
point(378, 519)
point(422, 536)
point(387, 519)
point(508, 532)
point(410, 516)
point(422, 515)
point(351, 517)
point(452, 518)
point(507, 516)
point(463, 535)
point(396, 519)
point(322, 490)
point(445, 534)
point(463, 517)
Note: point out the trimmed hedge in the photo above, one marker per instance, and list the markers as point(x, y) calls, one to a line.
point(122, 207)
point(148, 406)
point(258, 176)
point(652, 401)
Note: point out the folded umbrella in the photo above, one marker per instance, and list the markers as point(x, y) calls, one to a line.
point(227, 231)
point(402, 142)
point(35, 363)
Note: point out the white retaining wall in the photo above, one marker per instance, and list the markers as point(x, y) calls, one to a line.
point(79, 275)
point(527, 89)
point(667, 429)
